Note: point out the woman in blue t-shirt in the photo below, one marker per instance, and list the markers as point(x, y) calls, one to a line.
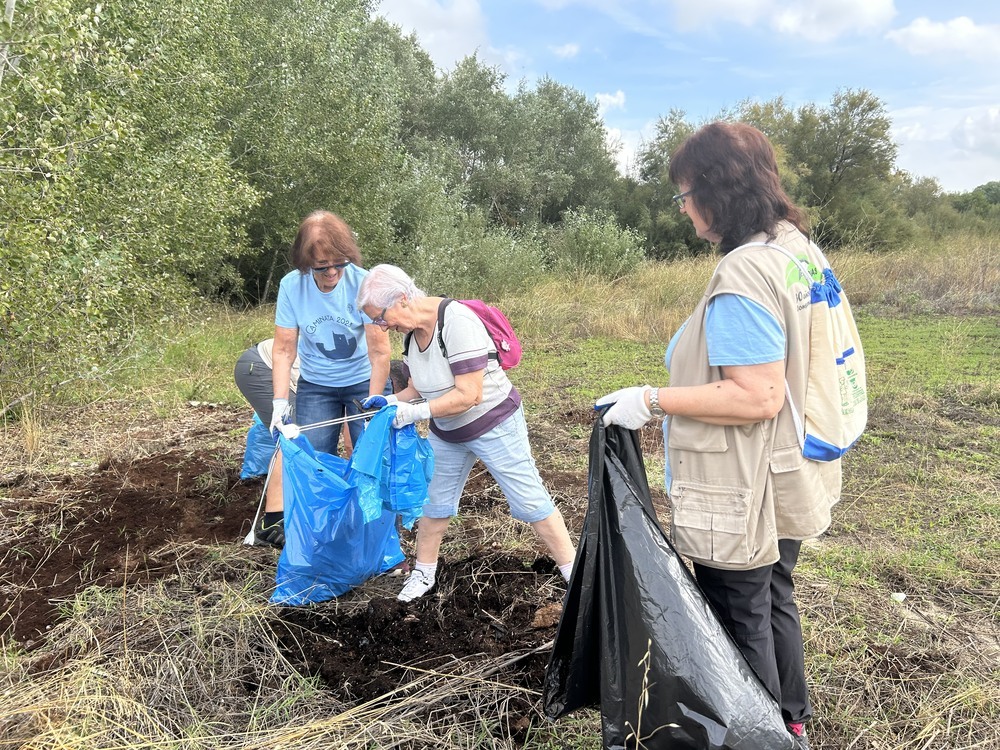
point(343, 356)
point(733, 371)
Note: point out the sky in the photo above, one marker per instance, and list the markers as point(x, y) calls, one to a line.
point(935, 66)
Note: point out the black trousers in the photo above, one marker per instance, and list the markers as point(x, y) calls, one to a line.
point(758, 609)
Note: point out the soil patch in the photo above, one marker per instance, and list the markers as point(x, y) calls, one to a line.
point(125, 524)
point(483, 609)
point(134, 521)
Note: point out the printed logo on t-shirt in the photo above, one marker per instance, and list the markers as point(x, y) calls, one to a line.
point(341, 346)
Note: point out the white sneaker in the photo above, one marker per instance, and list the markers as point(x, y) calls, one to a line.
point(418, 584)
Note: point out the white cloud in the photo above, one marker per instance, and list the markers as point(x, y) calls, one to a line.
point(696, 15)
point(448, 30)
point(824, 20)
point(815, 20)
point(959, 37)
point(610, 101)
point(979, 133)
point(566, 50)
point(960, 147)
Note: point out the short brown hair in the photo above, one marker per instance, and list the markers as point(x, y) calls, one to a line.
point(323, 232)
point(732, 173)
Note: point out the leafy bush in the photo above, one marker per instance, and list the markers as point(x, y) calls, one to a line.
point(450, 249)
point(468, 259)
point(593, 243)
point(118, 189)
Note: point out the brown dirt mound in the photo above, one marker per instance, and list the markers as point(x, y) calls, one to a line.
point(481, 608)
point(132, 522)
point(125, 524)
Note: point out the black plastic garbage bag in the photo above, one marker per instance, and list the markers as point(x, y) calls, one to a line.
point(638, 637)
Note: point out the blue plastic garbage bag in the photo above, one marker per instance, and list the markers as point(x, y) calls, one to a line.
point(329, 546)
point(260, 448)
point(393, 468)
point(638, 637)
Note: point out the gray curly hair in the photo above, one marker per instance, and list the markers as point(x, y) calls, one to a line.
point(385, 284)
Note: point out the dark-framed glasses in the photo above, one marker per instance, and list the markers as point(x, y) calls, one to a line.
point(681, 198)
point(335, 267)
point(379, 320)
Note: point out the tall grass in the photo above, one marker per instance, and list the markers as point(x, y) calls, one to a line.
point(959, 276)
point(645, 306)
point(955, 276)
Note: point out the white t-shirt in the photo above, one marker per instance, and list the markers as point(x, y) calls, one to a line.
point(265, 349)
point(468, 346)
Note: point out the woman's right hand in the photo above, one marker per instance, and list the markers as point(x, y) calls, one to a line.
point(407, 413)
point(627, 407)
point(377, 401)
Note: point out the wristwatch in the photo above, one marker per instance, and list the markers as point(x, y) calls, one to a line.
point(654, 403)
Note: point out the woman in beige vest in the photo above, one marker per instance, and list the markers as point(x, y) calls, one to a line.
point(742, 495)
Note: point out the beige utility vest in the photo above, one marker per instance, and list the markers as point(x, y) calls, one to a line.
point(736, 490)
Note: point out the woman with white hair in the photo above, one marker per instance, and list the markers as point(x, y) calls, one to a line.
point(474, 412)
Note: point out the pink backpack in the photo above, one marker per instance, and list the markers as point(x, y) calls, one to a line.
point(508, 352)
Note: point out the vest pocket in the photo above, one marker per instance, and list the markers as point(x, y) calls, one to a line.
point(712, 523)
point(691, 435)
point(787, 459)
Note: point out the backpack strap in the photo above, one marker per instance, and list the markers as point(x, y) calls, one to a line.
point(800, 430)
point(444, 303)
point(440, 337)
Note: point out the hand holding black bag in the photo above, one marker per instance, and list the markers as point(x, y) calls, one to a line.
point(638, 637)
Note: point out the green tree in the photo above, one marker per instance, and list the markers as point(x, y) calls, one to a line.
point(668, 233)
point(557, 137)
point(312, 112)
point(845, 158)
point(467, 115)
point(118, 188)
point(524, 159)
point(983, 201)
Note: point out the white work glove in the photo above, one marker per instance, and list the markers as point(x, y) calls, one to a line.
point(407, 413)
point(378, 401)
point(289, 429)
point(281, 411)
point(629, 409)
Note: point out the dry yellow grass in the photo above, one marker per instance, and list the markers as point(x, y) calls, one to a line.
point(959, 276)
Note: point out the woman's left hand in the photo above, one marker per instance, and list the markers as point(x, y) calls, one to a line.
point(628, 407)
point(407, 413)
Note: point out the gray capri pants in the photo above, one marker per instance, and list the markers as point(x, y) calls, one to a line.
point(253, 378)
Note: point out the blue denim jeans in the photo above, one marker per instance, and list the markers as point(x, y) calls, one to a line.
point(507, 455)
point(320, 403)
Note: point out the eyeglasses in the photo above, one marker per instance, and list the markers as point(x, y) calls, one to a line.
point(336, 266)
point(681, 198)
point(379, 320)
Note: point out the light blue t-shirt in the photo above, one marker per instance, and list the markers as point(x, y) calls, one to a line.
point(738, 331)
point(332, 349)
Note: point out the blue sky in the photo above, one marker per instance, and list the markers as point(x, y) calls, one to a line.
point(935, 66)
